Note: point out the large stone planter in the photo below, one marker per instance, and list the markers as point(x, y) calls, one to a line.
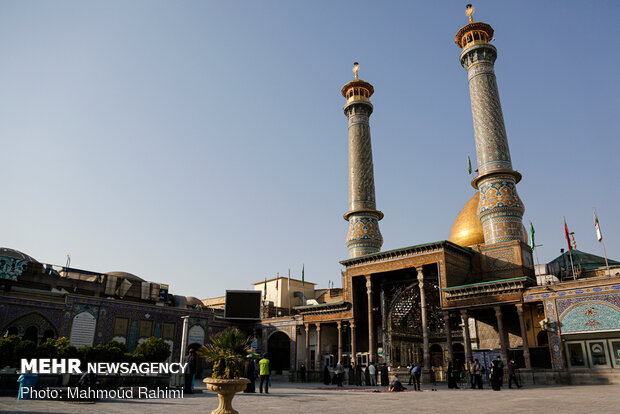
point(226, 390)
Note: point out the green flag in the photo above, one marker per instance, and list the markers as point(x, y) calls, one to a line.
point(532, 243)
point(302, 275)
point(265, 290)
point(469, 164)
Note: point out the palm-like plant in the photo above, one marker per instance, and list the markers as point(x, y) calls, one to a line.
point(227, 351)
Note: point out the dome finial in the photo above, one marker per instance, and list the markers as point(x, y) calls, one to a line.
point(356, 68)
point(470, 12)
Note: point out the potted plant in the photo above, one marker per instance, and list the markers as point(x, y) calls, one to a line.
point(226, 351)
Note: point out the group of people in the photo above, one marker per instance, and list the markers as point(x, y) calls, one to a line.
point(357, 374)
point(264, 372)
point(477, 370)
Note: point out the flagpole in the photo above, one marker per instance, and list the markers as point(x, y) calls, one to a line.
point(289, 292)
point(570, 250)
point(606, 262)
point(599, 234)
point(534, 245)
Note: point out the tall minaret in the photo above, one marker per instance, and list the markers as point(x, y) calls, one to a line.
point(500, 209)
point(364, 236)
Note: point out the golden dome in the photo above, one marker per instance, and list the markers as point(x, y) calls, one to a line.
point(467, 228)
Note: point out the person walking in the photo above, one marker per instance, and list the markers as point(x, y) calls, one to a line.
point(190, 371)
point(359, 373)
point(512, 374)
point(302, 372)
point(327, 379)
point(264, 373)
point(372, 371)
point(248, 372)
point(471, 368)
point(417, 372)
point(339, 373)
point(452, 376)
point(497, 372)
point(410, 371)
point(385, 376)
point(478, 368)
point(352, 373)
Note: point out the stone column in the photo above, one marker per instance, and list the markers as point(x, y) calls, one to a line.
point(427, 351)
point(501, 333)
point(446, 319)
point(371, 325)
point(468, 352)
point(339, 325)
point(318, 347)
point(307, 346)
point(353, 342)
point(526, 347)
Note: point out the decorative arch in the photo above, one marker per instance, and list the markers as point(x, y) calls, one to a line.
point(279, 351)
point(278, 330)
point(35, 320)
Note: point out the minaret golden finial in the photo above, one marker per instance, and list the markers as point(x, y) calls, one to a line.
point(356, 68)
point(470, 12)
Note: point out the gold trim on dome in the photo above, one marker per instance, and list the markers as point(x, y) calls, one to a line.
point(467, 228)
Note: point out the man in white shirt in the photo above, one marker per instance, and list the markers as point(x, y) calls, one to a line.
point(372, 370)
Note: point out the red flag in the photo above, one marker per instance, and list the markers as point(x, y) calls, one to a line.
point(277, 282)
point(567, 236)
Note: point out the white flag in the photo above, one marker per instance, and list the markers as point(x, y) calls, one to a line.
point(599, 235)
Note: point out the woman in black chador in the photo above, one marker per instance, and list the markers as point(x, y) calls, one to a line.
point(497, 374)
point(358, 374)
point(385, 380)
point(248, 372)
point(451, 376)
point(327, 379)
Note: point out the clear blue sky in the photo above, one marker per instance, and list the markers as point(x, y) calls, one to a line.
point(203, 144)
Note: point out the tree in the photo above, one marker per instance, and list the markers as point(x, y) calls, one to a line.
point(25, 350)
point(7, 350)
point(153, 350)
point(227, 351)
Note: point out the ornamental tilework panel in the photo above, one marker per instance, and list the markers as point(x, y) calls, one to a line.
point(565, 303)
point(491, 142)
point(555, 343)
point(498, 193)
point(80, 307)
point(363, 228)
point(589, 313)
point(11, 268)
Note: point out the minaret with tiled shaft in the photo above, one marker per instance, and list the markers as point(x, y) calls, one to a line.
point(364, 236)
point(500, 209)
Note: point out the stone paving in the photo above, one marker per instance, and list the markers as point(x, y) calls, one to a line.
point(315, 398)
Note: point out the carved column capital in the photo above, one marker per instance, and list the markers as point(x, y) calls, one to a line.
point(446, 316)
point(464, 314)
point(498, 311)
point(519, 307)
point(368, 283)
point(339, 324)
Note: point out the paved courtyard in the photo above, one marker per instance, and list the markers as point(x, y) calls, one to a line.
point(314, 398)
